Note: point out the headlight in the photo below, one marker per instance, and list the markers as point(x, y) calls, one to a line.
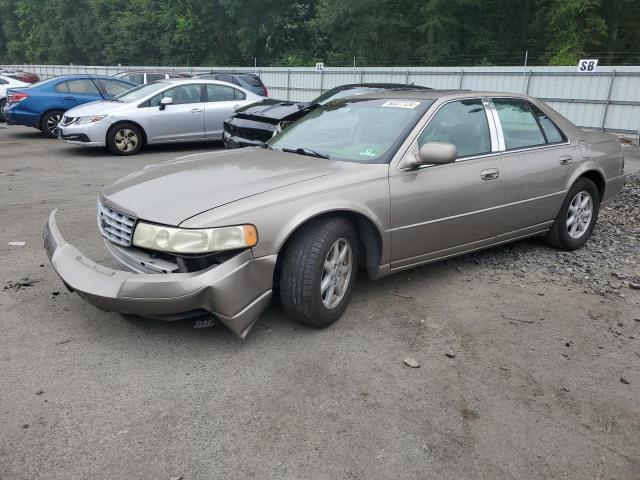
point(91, 119)
point(178, 240)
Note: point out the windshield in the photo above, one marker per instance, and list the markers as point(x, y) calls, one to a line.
point(353, 129)
point(139, 92)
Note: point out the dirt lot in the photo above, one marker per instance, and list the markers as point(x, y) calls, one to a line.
point(544, 381)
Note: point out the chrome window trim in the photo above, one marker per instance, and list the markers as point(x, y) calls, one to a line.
point(422, 125)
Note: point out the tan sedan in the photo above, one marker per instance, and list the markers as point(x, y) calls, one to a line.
point(383, 181)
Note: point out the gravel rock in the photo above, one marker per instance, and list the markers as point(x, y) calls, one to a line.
point(612, 253)
point(411, 362)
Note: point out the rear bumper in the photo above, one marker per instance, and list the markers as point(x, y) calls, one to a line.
point(15, 117)
point(236, 291)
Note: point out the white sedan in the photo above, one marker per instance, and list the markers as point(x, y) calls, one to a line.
point(166, 111)
point(5, 83)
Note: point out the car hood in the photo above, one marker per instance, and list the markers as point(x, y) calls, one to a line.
point(273, 110)
point(99, 107)
point(174, 191)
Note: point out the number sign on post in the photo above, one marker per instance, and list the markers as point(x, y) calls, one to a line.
point(587, 65)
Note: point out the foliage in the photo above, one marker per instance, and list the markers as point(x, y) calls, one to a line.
point(301, 32)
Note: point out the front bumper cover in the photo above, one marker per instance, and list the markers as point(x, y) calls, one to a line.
point(236, 291)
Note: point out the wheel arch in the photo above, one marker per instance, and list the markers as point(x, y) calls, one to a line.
point(596, 177)
point(369, 234)
point(49, 110)
point(132, 122)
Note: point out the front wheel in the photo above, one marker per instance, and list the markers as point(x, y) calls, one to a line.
point(577, 217)
point(49, 123)
point(124, 139)
point(319, 270)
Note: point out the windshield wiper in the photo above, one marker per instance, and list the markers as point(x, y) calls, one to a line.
point(306, 151)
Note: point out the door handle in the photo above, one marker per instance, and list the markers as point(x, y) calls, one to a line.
point(490, 174)
point(69, 98)
point(566, 160)
point(196, 110)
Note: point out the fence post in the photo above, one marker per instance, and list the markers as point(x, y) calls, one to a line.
point(361, 76)
point(461, 79)
point(321, 82)
point(606, 105)
point(526, 89)
point(406, 80)
point(288, 83)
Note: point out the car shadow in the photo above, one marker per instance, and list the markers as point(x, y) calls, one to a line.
point(273, 319)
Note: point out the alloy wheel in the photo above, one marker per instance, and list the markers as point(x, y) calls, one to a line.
point(579, 214)
point(336, 273)
point(52, 123)
point(126, 140)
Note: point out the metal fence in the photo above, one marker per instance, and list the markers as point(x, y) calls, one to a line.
point(608, 99)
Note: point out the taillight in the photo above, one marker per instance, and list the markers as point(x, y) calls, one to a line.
point(16, 97)
point(265, 91)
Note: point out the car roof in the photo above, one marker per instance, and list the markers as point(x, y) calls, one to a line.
point(390, 86)
point(150, 71)
point(81, 76)
point(227, 73)
point(420, 94)
point(192, 80)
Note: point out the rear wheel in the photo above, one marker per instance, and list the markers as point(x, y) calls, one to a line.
point(319, 270)
point(49, 123)
point(577, 217)
point(3, 102)
point(124, 139)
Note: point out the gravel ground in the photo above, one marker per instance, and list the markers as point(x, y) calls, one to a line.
point(529, 360)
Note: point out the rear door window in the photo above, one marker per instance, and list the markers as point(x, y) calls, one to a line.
point(62, 87)
point(462, 123)
point(220, 93)
point(85, 85)
point(551, 132)
point(519, 126)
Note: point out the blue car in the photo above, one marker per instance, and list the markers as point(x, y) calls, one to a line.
point(42, 104)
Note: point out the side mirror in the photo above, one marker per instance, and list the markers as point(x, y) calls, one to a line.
point(434, 153)
point(164, 101)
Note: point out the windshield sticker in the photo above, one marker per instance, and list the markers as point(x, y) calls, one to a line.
point(369, 152)
point(400, 104)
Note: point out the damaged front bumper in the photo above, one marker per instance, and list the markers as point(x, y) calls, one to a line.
point(235, 291)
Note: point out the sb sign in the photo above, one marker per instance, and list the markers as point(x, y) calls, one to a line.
point(587, 65)
point(319, 67)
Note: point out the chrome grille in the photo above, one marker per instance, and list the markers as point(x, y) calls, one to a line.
point(115, 226)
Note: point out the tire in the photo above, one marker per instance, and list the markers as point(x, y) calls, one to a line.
point(49, 123)
point(3, 102)
point(303, 271)
point(125, 139)
point(571, 229)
